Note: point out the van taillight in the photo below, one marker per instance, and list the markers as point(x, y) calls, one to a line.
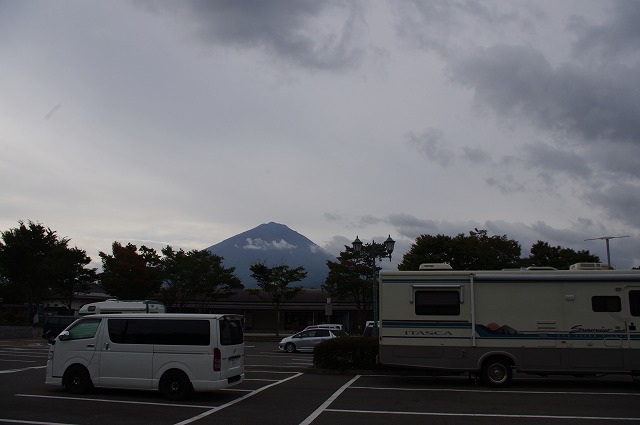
point(217, 359)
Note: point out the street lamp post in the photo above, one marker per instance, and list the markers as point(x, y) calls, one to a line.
point(389, 244)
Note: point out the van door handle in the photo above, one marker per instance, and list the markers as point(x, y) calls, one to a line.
point(106, 345)
point(90, 345)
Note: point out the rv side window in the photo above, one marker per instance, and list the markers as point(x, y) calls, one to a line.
point(183, 332)
point(437, 303)
point(84, 329)
point(606, 303)
point(231, 332)
point(634, 303)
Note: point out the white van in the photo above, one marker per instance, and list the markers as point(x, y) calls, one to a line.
point(173, 353)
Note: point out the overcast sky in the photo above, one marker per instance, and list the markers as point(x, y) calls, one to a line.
point(185, 123)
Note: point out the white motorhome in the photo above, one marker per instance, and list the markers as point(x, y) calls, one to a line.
point(490, 323)
point(122, 306)
point(173, 353)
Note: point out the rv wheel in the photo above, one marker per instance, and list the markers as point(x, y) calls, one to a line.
point(496, 372)
point(76, 380)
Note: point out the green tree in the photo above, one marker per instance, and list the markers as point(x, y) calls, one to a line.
point(352, 277)
point(273, 285)
point(196, 276)
point(68, 266)
point(35, 262)
point(130, 273)
point(543, 254)
point(478, 251)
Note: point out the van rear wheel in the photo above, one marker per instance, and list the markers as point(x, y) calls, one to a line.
point(77, 380)
point(497, 372)
point(175, 385)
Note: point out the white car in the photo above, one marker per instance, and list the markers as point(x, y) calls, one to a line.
point(305, 340)
point(330, 326)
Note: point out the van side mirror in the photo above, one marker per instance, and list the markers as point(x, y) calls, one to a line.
point(49, 336)
point(64, 335)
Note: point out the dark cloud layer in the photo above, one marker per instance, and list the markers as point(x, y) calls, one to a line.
point(308, 34)
point(586, 105)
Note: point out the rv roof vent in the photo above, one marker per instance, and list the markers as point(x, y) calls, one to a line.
point(590, 266)
point(540, 268)
point(435, 266)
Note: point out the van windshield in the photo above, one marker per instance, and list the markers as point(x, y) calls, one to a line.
point(231, 331)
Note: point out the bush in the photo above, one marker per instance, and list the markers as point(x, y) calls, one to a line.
point(346, 353)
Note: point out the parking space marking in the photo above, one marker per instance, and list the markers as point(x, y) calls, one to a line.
point(104, 400)
point(17, 421)
point(458, 390)
point(323, 406)
point(238, 400)
point(22, 370)
point(485, 415)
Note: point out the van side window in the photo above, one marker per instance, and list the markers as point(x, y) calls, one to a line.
point(437, 303)
point(231, 331)
point(606, 303)
point(131, 331)
point(183, 332)
point(634, 303)
point(85, 329)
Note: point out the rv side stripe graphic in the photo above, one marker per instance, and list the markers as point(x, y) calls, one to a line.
point(412, 327)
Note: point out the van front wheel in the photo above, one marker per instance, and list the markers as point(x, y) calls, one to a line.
point(76, 380)
point(175, 385)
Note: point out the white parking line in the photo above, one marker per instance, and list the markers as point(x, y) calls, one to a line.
point(323, 406)
point(457, 390)
point(16, 421)
point(238, 400)
point(104, 400)
point(484, 415)
point(21, 370)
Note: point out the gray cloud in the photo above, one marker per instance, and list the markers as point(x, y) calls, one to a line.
point(315, 35)
point(557, 160)
point(617, 38)
point(433, 145)
point(584, 106)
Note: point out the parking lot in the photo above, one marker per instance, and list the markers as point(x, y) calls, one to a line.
point(279, 389)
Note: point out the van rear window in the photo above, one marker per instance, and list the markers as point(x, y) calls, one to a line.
point(231, 331)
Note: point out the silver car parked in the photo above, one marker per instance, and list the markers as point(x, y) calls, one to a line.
point(305, 340)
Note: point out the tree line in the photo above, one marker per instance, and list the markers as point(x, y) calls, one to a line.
point(35, 263)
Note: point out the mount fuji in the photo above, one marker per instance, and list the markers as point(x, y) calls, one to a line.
point(274, 244)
